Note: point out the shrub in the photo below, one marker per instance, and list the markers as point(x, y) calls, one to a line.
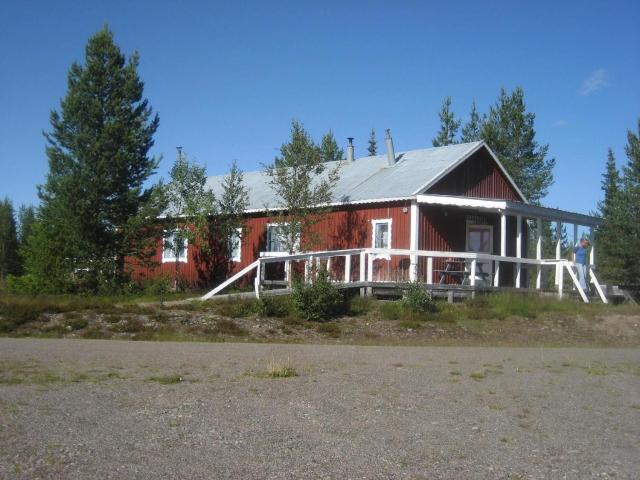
point(330, 329)
point(157, 286)
point(318, 301)
point(360, 305)
point(76, 323)
point(26, 284)
point(279, 306)
point(391, 310)
point(418, 299)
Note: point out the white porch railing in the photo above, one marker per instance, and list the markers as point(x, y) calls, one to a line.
point(377, 265)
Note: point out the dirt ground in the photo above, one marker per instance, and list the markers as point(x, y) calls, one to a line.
point(122, 409)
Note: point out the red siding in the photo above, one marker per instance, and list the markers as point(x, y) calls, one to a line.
point(479, 177)
point(349, 227)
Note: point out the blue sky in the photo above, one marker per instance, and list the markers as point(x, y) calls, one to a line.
point(227, 78)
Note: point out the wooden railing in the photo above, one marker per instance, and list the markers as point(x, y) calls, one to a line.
point(378, 265)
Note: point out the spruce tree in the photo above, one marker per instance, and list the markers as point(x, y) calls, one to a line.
point(26, 220)
point(372, 149)
point(471, 132)
point(449, 126)
point(9, 260)
point(99, 162)
point(631, 207)
point(509, 131)
point(329, 149)
point(611, 232)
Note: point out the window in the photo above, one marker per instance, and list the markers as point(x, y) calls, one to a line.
point(169, 248)
point(480, 238)
point(276, 241)
point(381, 233)
point(235, 245)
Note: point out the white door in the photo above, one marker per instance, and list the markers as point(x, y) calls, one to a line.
point(480, 240)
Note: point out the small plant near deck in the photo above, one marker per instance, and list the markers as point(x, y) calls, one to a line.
point(278, 306)
point(319, 301)
point(418, 299)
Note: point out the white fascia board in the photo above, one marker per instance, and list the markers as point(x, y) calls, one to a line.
point(510, 208)
point(336, 204)
point(495, 205)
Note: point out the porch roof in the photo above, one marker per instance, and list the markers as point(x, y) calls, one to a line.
point(511, 208)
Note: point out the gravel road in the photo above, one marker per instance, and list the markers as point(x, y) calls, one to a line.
point(121, 409)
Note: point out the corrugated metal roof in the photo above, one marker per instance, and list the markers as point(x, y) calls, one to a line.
point(369, 178)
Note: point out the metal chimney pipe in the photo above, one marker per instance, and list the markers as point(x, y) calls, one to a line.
point(350, 149)
point(391, 154)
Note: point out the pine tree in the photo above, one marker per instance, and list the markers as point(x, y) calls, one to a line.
point(303, 185)
point(26, 220)
point(509, 131)
point(611, 232)
point(449, 126)
point(372, 149)
point(471, 132)
point(9, 260)
point(631, 208)
point(99, 162)
point(329, 149)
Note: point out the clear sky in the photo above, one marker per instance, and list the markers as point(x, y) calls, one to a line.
point(228, 77)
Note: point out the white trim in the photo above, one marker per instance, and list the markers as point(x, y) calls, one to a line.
point(375, 222)
point(172, 258)
point(281, 224)
point(464, 157)
point(338, 204)
point(414, 238)
point(238, 256)
point(512, 208)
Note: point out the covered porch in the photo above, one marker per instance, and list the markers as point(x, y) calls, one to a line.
point(491, 255)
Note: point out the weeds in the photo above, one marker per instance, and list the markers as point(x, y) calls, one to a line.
point(170, 379)
point(277, 369)
point(332, 330)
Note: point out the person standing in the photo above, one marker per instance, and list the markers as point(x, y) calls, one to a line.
point(580, 255)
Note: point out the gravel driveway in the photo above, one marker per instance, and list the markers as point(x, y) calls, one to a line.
point(121, 409)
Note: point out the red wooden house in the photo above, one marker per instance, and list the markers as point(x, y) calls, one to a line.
point(443, 216)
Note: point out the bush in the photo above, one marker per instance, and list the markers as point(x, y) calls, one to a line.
point(318, 301)
point(418, 299)
point(158, 286)
point(279, 306)
point(26, 284)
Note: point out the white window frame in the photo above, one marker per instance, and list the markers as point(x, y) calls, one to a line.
point(171, 257)
point(235, 255)
point(269, 225)
point(379, 221)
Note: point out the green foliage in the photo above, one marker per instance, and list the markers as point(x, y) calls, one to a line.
point(157, 286)
point(360, 305)
point(418, 299)
point(509, 131)
point(449, 126)
point(76, 323)
point(98, 151)
point(619, 234)
point(303, 184)
point(277, 306)
point(372, 148)
point(329, 149)
point(318, 301)
point(9, 259)
point(472, 130)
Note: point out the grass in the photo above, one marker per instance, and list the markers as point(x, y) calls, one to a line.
point(330, 329)
point(278, 369)
point(168, 379)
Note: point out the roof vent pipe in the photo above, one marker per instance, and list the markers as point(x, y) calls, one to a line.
point(350, 150)
point(391, 154)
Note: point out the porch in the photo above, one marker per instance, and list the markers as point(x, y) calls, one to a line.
point(469, 262)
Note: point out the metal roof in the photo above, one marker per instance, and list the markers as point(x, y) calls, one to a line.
point(370, 179)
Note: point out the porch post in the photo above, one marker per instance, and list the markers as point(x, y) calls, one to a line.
point(518, 250)
point(592, 240)
point(539, 253)
point(575, 233)
point(429, 270)
point(503, 247)
point(558, 249)
point(347, 268)
point(362, 271)
point(413, 241)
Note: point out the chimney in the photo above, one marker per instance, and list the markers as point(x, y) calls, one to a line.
point(391, 154)
point(350, 150)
